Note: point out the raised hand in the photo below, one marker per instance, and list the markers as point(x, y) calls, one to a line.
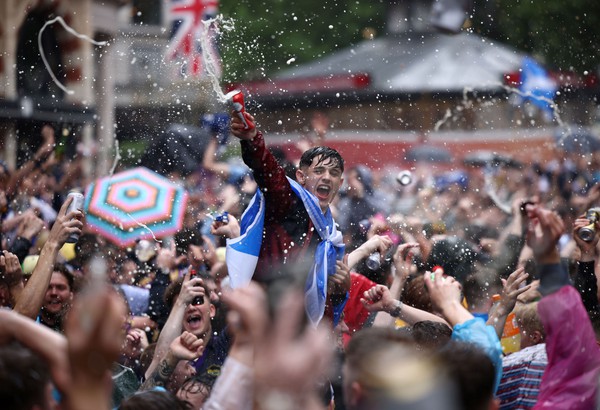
point(340, 282)
point(66, 224)
point(446, 294)
point(48, 143)
point(238, 128)
point(247, 315)
point(10, 269)
point(135, 342)
point(378, 299)
point(544, 231)
point(587, 249)
point(30, 225)
point(190, 289)
point(377, 243)
point(95, 335)
point(230, 230)
point(186, 347)
point(511, 289)
point(403, 259)
point(378, 226)
point(288, 360)
point(532, 294)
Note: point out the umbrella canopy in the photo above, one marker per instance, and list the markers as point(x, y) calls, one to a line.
point(489, 158)
point(578, 140)
point(135, 204)
point(429, 153)
point(180, 149)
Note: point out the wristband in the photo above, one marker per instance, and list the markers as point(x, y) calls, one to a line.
point(397, 310)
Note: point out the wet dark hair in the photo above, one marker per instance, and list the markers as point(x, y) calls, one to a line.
point(201, 382)
point(62, 269)
point(24, 377)
point(431, 335)
point(472, 370)
point(325, 154)
point(87, 246)
point(187, 237)
point(455, 255)
point(415, 293)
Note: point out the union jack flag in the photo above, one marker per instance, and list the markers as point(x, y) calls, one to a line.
point(187, 32)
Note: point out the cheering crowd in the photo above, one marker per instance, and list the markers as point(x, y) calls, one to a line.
point(474, 288)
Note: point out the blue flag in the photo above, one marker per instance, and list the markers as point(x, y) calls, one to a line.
point(537, 86)
point(242, 252)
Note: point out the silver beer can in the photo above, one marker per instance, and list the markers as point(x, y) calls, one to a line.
point(76, 204)
point(374, 261)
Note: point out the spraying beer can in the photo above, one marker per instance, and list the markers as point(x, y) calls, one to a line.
point(235, 99)
point(76, 204)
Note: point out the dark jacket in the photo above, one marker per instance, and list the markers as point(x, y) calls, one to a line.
point(288, 233)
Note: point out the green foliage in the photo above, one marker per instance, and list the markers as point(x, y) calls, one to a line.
point(566, 34)
point(131, 152)
point(269, 33)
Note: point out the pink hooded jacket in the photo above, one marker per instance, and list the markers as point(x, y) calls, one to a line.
point(572, 375)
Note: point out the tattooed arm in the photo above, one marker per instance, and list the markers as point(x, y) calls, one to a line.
point(185, 347)
point(161, 375)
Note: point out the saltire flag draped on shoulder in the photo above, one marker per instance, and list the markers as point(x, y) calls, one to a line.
point(187, 32)
point(242, 252)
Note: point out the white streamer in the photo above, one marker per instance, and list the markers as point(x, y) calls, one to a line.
point(441, 122)
point(70, 30)
point(142, 225)
point(117, 158)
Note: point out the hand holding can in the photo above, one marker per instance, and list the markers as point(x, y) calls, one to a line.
point(75, 205)
point(235, 99)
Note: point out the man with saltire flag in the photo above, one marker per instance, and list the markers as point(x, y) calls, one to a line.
point(289, 222)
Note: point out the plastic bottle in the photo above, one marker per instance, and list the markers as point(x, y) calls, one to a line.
point(511, 338)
